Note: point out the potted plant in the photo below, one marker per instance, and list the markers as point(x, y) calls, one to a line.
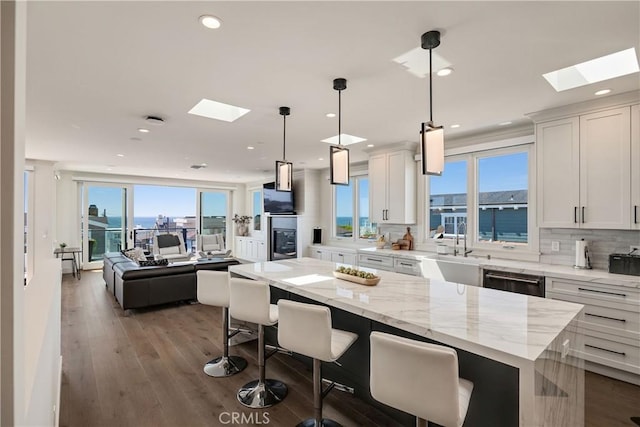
point(63, 245)
point(242, 222)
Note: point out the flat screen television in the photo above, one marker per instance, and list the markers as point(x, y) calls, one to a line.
point(277, 202)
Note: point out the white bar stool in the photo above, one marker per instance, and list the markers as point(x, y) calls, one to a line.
point(213, 289)
point(306, 329)
point(419, 378)
point(251, 302)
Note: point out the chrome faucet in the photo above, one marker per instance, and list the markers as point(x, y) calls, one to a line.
point(465, 252)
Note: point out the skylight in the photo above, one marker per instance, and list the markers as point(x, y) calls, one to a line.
point(218, 110)
point(345, 139)
point(596, 70)
point(416, 61)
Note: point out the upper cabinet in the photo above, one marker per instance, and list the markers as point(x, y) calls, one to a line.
point(635, 167)
point(584, 171)
point(392, 187)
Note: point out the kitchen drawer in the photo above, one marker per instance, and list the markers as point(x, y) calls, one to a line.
point(600, 291)
point(611, 353)
point(376, 261)
point(603, 318)
point(407, 266)
point(344, 258)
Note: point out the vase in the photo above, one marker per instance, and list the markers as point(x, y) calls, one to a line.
point(242, 230)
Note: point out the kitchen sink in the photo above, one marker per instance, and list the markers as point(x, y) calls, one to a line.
point(457, 270)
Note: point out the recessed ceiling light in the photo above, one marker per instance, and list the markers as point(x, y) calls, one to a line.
point(454, 126)
point(320, 158)
point(444, 71)
point(250, 147)
point(210, 21)
point(120, 155)
point(143, 130)
point(370, 145)
point(218, 110)
point(603, 92)
point(596, 70)
point(331, 115)
point(504, 123)
point(345, 139)
point(109, 169)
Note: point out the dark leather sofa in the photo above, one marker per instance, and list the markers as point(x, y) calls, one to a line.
point(136, 287)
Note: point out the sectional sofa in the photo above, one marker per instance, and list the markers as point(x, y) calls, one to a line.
point(135, 286)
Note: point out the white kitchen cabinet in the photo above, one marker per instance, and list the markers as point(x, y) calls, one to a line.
point(320, 253)
point(611, 324)
point(635, 167)
point(343, 257)
point(584, 171)
point(558, 186)
point(250, 249)
point(392, 187)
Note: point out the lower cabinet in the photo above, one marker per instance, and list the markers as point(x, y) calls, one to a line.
point(342, 256)
point(611, 325)
point(250, 249)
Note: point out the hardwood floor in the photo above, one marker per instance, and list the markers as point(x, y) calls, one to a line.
point(145, 369)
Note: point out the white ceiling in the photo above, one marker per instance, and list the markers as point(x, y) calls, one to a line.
point(96, 69)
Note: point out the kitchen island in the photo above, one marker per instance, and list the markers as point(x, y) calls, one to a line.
point(518, 350)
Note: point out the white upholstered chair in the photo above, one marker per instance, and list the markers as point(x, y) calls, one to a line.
point(213, 289)
point(250, 301)
point(170, 246)
point(419, 378)
point(212, 245)
point(306, 329)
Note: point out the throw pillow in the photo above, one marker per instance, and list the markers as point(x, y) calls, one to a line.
point(153, 262)
point(136, 254)
point(169, 250)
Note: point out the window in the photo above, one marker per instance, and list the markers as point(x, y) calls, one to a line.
point(257, 209)
point(483, 196)
point(503, 198)
point(448, 200)
point(352, 209)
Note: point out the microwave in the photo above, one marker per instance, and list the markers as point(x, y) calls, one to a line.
point(624, 264)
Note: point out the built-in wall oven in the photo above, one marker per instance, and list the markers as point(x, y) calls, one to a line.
point(520, 283)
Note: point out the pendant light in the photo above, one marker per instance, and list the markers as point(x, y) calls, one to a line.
point(284, 169)
point(338, 154)
point(432, 137)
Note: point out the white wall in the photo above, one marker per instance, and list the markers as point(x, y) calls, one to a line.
point(12, 121)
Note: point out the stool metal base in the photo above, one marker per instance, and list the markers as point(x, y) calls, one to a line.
point(225, 366)
point(326, 422)
point(258, 394)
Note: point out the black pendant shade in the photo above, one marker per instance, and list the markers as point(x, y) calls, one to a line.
point(284, 169)
point(338, 154)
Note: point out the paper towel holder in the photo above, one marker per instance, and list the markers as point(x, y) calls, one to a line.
point(583, 256)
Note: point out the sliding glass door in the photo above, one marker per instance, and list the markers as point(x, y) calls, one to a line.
point(213, 209)
point(105, 221)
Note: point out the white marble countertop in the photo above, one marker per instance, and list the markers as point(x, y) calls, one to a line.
point(511, 328)
point(551, 270)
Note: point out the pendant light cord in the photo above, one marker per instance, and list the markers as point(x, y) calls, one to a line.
point(430, 90)
point(284, 137)
point(339, 117)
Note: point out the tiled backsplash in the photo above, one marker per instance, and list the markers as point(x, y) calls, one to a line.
point(601, 244)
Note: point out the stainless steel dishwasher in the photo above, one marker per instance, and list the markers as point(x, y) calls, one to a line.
point(520, 283)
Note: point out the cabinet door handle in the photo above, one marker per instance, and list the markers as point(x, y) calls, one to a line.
point(575, 214)
point(603, 292)
point(606, 317)
point(583, 214)
point(404, 264)
point(606, 349)
point(373, 259)
point(635, 214)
